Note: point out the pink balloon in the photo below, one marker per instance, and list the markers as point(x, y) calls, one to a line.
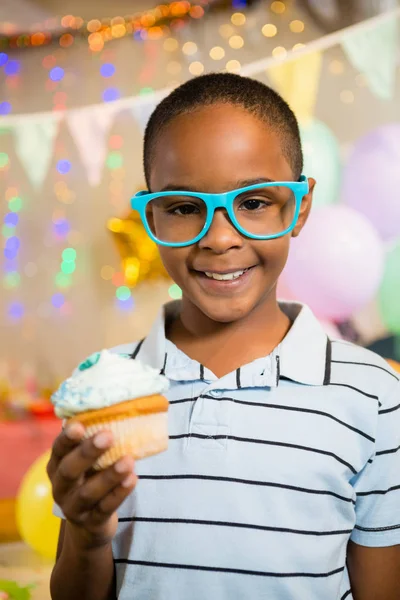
point(371, 181)
point(283, 292)
point(336, 264)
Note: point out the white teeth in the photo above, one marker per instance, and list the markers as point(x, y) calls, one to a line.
point(225, 276)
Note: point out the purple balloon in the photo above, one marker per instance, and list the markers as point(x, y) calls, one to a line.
point(371, 182)
point(336, 264)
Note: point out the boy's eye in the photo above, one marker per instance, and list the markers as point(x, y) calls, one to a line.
point(184, 209)
point(254, 204)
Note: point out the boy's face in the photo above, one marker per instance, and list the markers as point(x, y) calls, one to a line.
point(217, 149)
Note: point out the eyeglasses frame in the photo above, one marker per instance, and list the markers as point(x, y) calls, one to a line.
point(224, 200)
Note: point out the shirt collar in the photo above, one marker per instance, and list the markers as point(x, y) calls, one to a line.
point(305, 352)
point(303, 356)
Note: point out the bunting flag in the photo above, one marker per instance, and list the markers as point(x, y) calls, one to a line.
point(34, 146)
point(374, 54)
point(89, 128)
point(298, 81)
point(142, 110)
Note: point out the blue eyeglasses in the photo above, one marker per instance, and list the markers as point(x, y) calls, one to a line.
point(262, 211)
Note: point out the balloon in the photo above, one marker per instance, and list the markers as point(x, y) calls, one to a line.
point(321, 161)
point(283, 292)
point(389, 293)
point(371, 181)
point(336, 264)
point(139, 254)
point(37, 526)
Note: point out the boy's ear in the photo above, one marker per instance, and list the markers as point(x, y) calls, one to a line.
point(305, 208)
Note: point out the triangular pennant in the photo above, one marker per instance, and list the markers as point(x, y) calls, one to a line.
point(298, 80)
point(89, 128)
point(142, 109)
point(374, 54)
point(34, 146)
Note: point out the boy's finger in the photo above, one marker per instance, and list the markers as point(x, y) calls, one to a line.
point(109, 504)
point(99, 485)
point(79, 460)
point(66, 441)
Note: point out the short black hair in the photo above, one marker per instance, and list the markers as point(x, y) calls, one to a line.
point(227, 88)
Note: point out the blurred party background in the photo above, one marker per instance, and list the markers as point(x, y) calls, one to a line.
point(78, 81)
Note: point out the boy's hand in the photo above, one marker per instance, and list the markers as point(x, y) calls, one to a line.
point(89, 499)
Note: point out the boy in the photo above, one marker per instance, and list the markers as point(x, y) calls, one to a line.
point(282, 477)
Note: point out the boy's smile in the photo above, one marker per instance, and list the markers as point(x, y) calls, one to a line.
point(216, 149)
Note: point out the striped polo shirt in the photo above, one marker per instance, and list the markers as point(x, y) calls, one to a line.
point(270, 471)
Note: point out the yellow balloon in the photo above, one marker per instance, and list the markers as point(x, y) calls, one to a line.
point(140, 258)
point(37, 526)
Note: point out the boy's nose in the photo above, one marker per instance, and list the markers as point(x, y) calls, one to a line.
point(222, 234)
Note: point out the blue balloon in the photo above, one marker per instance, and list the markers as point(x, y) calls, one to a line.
point(322, 161)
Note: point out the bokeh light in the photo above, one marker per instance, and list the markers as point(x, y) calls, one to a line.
point(238, 19)
point(107, 272)
point(278, 7)
point(11, 219)
point(61, 227)
point(15, 203)
point(107, 70)
point(66, 40)
point(57, 300)
point(118, 279)
point(5, 108)
point(236, 42)
point(170, 44)
point(217, 53)
point(111, 94)
point(175, 292)
point(12, 280)
point(3, 59)
point(296, 26)
point(68, 267)
point(116, 142)
point(69, 255)
point(196, 68)
point(63, 166)
point(189, 48)
point(15, 310)
point(269, 30)
point(4, 159)
point(63, 280)
point(226, 31)
point(12, 67)
point(114, 160)
point(279, 52)
point(233, 66)
point(123, 292)
point(127, 304)
point(49, 61)
point(56, 73)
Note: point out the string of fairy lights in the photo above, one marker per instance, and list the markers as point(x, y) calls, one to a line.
point(152, 24)
point(64, 239)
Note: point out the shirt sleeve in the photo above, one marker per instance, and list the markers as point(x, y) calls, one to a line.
point(378, 485)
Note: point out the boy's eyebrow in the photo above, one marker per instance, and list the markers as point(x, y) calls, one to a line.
point(237, 185)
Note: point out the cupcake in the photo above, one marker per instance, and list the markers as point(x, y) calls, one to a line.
point(115, 392)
